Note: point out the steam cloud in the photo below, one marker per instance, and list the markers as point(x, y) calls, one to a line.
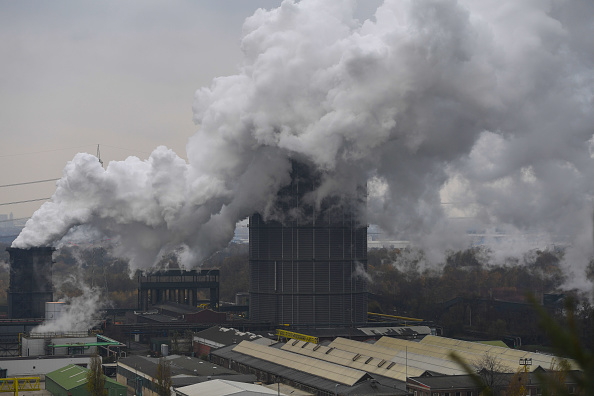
point(80, 313)
point(485, 104)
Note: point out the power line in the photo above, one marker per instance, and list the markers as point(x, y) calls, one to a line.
point(125, 149)
point(71, 148)
point(31, 182)
point(19, 202)
point(44, 151)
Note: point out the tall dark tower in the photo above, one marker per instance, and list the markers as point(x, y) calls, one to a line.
point(30, 282)
point(309, 268)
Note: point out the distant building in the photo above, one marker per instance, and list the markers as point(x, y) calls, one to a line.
point(464, 385)
point(218, 337)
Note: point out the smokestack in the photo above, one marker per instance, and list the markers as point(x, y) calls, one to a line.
point(30, 282)
point(305, 268)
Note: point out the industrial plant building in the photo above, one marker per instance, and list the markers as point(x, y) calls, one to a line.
point(178, 286)
point(30, 282)
point(346, 366)
point(139, 373)
point(307, 268)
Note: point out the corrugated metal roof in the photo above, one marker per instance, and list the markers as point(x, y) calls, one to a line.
point(69, 377)
point(314, 381)
point(224, 336)
point(334, 372)
point(73, 376)
point(409, 356)
point(223, 387)
point(471, 351)
point(396, 330)
point(356, 360)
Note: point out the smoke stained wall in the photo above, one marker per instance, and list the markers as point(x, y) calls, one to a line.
point(307, 268)
point(30, 282)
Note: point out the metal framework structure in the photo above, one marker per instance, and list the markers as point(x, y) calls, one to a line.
point(296, 336)
point(30, 282)
point(308, 269)
point(17, 384)
point(177, 286)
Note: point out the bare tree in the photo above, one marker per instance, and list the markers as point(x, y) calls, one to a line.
point(95, 377)
point(163, 381)
point(490, 369)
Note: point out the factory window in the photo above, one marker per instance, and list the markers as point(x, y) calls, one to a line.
point(316, 347)
point(295, 342)
point(357, 356)
point(303, 346)
point(380, 364)
point(390, 366)
point(329, 350)
point(368, 360)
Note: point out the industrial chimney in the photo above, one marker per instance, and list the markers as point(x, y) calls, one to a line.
point(304, 269)
point(30, 282)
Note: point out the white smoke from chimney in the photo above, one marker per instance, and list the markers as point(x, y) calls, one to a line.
point(495, 95)
point(80, 312)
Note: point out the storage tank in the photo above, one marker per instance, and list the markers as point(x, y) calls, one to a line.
point(54, 310)
point(309, 269)
point(164, 350)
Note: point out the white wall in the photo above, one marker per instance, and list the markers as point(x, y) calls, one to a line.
point(19, 367)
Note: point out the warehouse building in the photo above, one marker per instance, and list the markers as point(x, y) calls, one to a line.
point(271, 364)
point(465, 385)
point(217, 337)
point(72, 381)
point(223, 388)
point(344, 366)
point(139, 373)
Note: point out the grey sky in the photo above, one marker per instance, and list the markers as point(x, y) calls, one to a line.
point(487, 100)
point(121, 74)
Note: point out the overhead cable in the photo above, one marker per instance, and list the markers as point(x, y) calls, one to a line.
point(19, 202)
point(31, 182)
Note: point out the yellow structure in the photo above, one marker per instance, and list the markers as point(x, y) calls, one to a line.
point(16, 384)
point(394, 317)
point(297, 336)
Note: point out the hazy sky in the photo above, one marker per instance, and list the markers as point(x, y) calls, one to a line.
point(75, 74)
point(487, 105)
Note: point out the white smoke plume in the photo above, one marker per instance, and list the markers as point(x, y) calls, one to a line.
point(491, 101)
point(79, 314)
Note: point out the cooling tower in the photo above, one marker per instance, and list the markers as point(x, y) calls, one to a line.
point(30, 282)
point(308, 269)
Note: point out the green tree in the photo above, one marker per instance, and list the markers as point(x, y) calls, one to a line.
point(95, 377)
point(163, 381)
